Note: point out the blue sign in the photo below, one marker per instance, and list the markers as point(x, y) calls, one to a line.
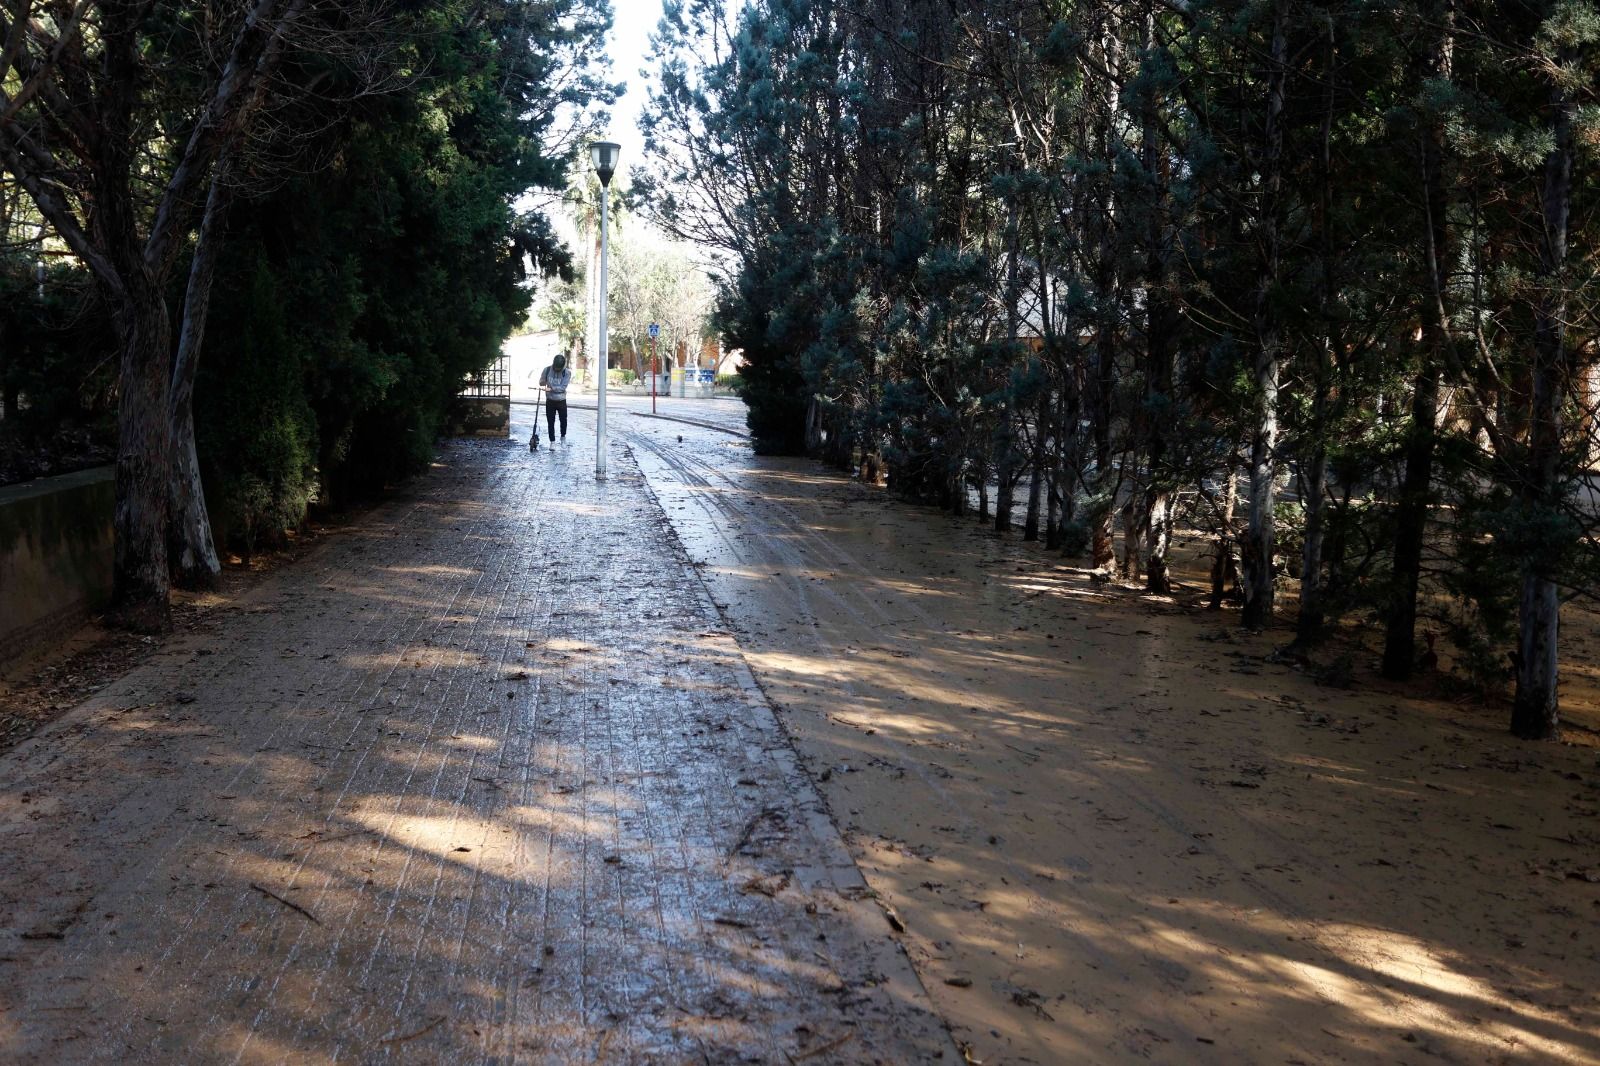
point(655, 331)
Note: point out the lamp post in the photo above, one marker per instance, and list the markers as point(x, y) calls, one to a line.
point(604, 154)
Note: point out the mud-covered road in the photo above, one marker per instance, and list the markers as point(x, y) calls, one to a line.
point(1111, 831)
point(481, 779)
point(493, 775)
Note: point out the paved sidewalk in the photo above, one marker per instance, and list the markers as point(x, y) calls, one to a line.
point(470, 785)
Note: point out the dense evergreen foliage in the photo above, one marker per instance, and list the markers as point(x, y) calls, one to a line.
point(360, 247)
point(358, 296)
point(1315, 276)
point(56, 382)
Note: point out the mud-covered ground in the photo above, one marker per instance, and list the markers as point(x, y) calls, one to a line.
point(47, 679)
point(467, 785)
point(1104, 828)
point(1112, 830)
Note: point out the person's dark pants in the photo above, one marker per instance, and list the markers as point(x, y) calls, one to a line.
point(551, 408)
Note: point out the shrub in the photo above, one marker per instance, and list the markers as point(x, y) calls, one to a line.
point(1075, 538)
point(57, 369)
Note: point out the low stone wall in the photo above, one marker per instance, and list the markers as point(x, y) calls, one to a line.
point(55, 554)
point(481, 416)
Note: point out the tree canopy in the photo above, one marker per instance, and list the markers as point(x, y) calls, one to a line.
point(1314, 276)
point(340, 180)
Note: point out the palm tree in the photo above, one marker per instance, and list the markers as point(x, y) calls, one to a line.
point(583, 201)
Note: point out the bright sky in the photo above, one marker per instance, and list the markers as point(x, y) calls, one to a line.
point(634, 21)
point(631, 26)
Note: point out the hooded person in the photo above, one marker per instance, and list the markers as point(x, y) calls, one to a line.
point(554, 379)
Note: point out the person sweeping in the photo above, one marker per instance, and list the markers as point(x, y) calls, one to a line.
point(554, 379)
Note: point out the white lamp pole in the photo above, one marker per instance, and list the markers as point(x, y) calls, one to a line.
point(604, 154)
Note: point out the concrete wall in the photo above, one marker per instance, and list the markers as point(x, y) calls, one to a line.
point(482, 416)
point(55, 554)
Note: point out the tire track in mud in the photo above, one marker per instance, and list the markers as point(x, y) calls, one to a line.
point(284, 735)
point(777, 528)
point(856, 897)
point(614, 925)
point(856, 605)
point(715, 503)
point(429, 626)
point(859, 602)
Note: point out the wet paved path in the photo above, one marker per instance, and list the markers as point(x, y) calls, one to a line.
point(483, 781)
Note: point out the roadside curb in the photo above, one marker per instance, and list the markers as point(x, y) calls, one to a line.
point(695, 422)
point(841, 872)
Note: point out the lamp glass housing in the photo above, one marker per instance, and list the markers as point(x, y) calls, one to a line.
point(605, 155)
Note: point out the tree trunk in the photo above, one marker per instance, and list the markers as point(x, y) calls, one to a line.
point(1411, 520)
point(1161, 326)
point(1030, 525)
point(1003, 489)
point(192, 554)
point(1006, 494)
point(1030, 522)
point(1158, 544)
point(1132, 531)
point(1061, 482)
point(191, 550)
point(1157, 497)
point(1224, 567)
point(1052, 516)
point(1107, 284)
point(1102, 552)
point(1536, 711)
point(1312, 619)
point(144, 458)
point(1259, 543)
point(1411, 517)
point(1536, 708)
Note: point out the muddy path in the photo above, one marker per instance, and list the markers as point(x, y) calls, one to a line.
point(1111, 831)
point(470, 786)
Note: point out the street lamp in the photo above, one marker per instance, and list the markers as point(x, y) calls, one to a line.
point(604, 155)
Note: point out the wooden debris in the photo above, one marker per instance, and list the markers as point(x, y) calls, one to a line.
point(424, 1031)
point(823, 1050)
point(287, 903)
